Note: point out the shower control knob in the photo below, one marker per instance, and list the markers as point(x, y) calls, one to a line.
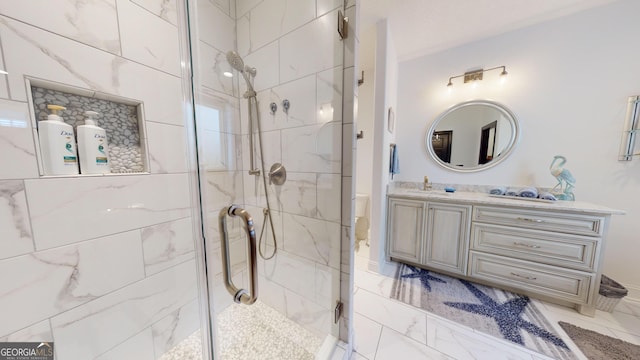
point(286, 105)
point(274, 107)
point(277, 174)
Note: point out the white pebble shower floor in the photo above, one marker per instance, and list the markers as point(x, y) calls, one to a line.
point(252, 332)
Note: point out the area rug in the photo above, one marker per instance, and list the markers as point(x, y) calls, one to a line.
point(596, 346)
point(496, 312)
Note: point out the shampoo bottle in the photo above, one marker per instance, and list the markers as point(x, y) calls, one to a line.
point(57, 144)
point(92, 146)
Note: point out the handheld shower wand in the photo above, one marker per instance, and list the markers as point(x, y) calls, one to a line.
point(236, 62)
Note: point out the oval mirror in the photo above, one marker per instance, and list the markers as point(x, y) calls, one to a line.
point(472, 136)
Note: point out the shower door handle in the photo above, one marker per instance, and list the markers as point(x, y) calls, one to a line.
point(239, 295)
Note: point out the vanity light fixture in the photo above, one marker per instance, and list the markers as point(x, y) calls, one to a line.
point(228, 74)
point(476, 75)
point(2, 72)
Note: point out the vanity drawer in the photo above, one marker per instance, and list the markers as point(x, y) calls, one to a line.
point(571, 251)
point(541, 279)
point(564, 222)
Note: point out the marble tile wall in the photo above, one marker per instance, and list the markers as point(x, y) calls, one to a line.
point(103, 265)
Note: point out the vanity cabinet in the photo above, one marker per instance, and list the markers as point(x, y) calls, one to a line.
point(405, 224)
point(446, 240)
point(543, 252)
point(429, 233)
point(546, 250)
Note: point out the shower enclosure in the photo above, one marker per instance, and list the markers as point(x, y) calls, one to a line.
point(267, 81)
point(130, 265)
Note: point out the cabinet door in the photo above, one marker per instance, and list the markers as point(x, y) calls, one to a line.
point(405, 227)
point(447, 237)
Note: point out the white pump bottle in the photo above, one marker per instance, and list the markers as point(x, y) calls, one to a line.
point(92, 146)
point(57, 144)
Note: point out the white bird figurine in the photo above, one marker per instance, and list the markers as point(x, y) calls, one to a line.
point(562, 175)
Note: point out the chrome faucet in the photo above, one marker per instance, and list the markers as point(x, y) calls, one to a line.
point(427, 185)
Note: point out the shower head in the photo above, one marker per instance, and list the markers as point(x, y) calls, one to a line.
point(234, 59)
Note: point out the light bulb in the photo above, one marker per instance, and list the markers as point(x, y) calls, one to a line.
point(503, 76)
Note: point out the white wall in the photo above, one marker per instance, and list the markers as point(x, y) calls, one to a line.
point(385, 96)
point(568, 84)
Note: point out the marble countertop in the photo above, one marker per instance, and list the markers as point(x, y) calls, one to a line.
point(479, 198)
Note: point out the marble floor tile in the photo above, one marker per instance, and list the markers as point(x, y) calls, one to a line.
point(375, 283)
point(367, 336)
point(393, 345)
point(400, 317)
point(629, 307)
point(603, 320)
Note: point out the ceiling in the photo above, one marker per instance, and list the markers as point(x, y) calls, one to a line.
point(421, 27)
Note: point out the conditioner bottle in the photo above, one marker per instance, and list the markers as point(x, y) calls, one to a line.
point(92, 146)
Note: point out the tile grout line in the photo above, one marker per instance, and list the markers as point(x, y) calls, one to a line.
point(375, 354)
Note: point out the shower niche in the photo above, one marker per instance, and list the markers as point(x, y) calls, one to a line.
point(121, 118)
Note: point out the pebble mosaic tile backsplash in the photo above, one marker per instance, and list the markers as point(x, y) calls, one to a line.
point(120, 121)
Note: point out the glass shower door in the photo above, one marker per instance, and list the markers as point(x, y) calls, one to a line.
point(284, 53)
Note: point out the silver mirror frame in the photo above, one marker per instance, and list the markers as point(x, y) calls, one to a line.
point(509, 115)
